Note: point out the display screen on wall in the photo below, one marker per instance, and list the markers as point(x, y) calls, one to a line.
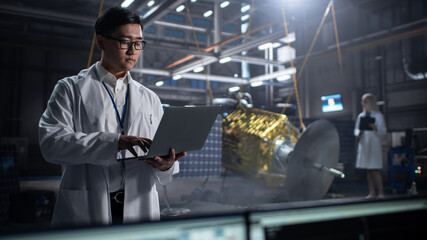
point(332, 103)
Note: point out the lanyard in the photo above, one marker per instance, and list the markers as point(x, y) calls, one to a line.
point(120, 119)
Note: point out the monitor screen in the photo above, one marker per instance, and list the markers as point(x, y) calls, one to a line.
point(332, 103)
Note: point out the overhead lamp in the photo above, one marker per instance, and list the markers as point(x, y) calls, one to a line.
point(180, 8)
point(244, 17)
point(147, 14)
point(245, 8)
point(224, 4)
point(268, 45)
point(289, 38)
point(176, 77)
point(234, 89)
point(126, 3)
point(225, 60)
point(150, 3)
point(207, 13)
point(257, 84)
point(264, 46)
point(193, 1)
point(198, 69)
point(283, 77)
point(159, 83)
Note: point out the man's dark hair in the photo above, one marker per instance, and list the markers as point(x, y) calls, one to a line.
point(113, 18)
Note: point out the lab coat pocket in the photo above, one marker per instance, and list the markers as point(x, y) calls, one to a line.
point(72, 207)
point(148, 121)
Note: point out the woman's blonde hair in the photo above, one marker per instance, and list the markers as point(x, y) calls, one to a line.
point(371, 100)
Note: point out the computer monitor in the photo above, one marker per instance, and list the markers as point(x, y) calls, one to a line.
point(332, 103)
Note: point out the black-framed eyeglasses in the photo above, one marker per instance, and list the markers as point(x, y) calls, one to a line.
point(126, 44)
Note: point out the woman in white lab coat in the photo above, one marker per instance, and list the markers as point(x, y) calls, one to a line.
point(73, 132)
point(369, 151)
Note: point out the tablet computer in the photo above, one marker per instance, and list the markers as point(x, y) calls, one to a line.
point(364, 123)
point(183, 129)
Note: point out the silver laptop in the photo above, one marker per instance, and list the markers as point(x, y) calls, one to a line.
point(183, 129)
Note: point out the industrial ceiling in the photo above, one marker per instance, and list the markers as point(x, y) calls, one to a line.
point(190, 42)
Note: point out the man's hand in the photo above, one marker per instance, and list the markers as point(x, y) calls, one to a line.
point(127, 143)
point(165, 162)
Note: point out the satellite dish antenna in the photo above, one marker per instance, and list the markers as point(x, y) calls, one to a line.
point(310, 166)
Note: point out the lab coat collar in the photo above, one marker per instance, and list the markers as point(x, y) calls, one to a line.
point(89, 88)
point(109, 78)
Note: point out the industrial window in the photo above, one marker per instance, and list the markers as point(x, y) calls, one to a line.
point(229, 28)
point(214, 85)
point(198, 84)
point(170, 82)
point(201, 22)
point(174, 18)
point(173, 33)
point(150, 30)
point(201, 37)
point(150, 77)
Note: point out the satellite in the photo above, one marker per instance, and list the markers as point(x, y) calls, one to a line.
point(266, 146)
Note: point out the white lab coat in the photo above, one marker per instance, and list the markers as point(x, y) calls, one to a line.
point(369, 150)
point(71, 133)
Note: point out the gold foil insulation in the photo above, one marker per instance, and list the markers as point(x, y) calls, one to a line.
point(247, 139)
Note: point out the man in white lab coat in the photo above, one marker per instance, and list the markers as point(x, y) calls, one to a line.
point(98, 116)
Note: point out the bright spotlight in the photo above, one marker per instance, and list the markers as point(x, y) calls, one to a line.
point(207, 13)
point(180, 8)
point(126, 3)
point(150, 3)
point(234, 89)
point(225, 60)
point(257, 84)
point(224, 4)
point(176, 77)
point(198, 69)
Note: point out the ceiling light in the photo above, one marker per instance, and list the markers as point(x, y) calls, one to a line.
point(245, 8)
point(257, 84)
point(126, 3)
point(207, 13)
point(224, 4)
point(264, 46)
point(268, 45)
point(289, 39)
point(150, 3)
point(234, 89)
point(244, 18)
point(159, 83)
point(225, 60)
point(236, 75)
point(193, 1)
point(147, 14)
point(198, 69)
point(180, 8)
point(176, 77)
point(283, 77)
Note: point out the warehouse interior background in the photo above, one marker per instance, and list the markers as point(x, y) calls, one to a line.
point(201, 52)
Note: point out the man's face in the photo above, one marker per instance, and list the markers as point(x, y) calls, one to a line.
point(116, 60)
